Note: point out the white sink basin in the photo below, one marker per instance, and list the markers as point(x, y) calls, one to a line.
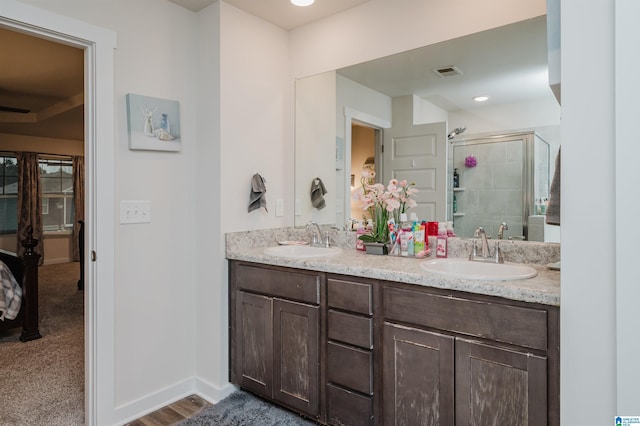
point(301, 252)
point(463, 268)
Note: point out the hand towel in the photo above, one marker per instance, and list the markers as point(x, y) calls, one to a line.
point(317, 192)
point(553, 208)
point(257, 196)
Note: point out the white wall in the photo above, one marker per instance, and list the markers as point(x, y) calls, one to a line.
point(599, 339)
point(315, 150)
point(211, 312)
point(528, 115)
point(627, 91)
point(155, 267)
point(244, 75)
point(256, 95)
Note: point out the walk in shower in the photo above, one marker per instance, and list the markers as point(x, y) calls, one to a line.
point(501, 179)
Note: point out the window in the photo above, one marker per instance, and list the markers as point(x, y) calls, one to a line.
point(8, 194)
point(56, 178)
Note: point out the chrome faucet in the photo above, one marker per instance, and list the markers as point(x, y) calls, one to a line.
point(485, 255)
point(318, 239)
point(479, 232)
point(503, 227)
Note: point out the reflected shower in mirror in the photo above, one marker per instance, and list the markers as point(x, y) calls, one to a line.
point(501, 179)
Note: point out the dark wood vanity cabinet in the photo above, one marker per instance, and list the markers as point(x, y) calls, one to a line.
point(275, 334)
point(350, 350)
point(356, 351)
point(417, 376)
point(468, 360)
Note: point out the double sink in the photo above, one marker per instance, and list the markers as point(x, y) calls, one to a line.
point(450, 267)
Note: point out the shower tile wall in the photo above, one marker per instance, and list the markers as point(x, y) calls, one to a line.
point(491, 192)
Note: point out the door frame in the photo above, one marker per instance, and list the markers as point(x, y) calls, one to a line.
point(98, 45)
point(352, 116)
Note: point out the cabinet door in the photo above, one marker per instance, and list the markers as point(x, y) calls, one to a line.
point(296, 369)
point(254, 339)
point(497, 386)
point(417, 377)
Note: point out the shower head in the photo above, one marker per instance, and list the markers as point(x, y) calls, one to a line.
point(456, 132)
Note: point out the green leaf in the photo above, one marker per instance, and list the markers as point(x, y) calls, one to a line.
point(368, 238)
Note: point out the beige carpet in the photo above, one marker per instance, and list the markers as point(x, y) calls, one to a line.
point(42, 381)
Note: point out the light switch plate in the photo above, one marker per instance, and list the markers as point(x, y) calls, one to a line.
point(279, 207)
point(135, 211)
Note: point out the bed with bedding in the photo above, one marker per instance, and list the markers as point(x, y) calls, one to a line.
point(19, 290)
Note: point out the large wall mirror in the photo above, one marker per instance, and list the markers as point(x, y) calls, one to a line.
point(403, 116)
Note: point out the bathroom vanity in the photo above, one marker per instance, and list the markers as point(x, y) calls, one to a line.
point(359, 339)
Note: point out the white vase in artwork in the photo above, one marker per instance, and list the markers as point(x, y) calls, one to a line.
point(148, 120)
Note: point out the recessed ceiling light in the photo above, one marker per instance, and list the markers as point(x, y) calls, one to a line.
point(302, 2)
point(481, 98)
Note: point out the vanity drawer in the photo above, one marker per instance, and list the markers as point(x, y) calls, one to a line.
point(350, 296)
point(516, 325)
point(348, 408)
point(350, 367)
point(353, 329)
point(294, 285)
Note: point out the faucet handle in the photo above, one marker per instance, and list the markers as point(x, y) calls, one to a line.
point(498, 253)
point(474, 250)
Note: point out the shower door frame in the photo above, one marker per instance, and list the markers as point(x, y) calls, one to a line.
point(528, 169)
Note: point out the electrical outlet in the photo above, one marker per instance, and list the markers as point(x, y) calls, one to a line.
point(132, 211)
point(279, 207)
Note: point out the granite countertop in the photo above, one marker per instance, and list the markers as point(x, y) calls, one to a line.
point(544, 288)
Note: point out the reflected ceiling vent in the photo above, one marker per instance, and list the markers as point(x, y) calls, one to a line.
point(449, 71)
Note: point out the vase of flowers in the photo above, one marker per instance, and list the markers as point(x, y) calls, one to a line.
point(383, 203)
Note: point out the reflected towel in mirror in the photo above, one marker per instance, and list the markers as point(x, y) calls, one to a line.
point(257, 196)
point(317, 193)
point(553, 208)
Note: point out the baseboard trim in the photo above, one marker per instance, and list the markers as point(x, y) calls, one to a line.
point(152, 402)
point(211, 392)
point(143, 406)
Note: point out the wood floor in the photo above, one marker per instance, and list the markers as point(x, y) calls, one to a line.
point(174, 413)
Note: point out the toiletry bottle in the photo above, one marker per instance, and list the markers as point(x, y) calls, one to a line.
point(418, 238)
point(456, 178)
point(359, 242)
point(406, 235)
point(450, 232)
point(455, 204)
point(441, 243)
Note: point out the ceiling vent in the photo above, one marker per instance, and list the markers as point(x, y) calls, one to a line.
point(449, 71)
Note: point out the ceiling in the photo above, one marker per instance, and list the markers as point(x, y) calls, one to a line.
point(280, 12)
point(44, 79)
point(507, 64)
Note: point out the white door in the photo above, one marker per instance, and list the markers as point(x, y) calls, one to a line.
point(419, 154)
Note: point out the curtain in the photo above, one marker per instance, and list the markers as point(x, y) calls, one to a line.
point(29, 200)
point(78, 201)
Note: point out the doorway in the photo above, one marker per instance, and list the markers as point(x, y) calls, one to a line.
point(98, 45)
point(365, 145)
point(42, 100)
